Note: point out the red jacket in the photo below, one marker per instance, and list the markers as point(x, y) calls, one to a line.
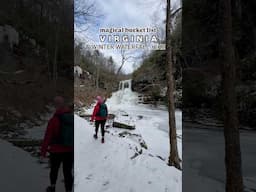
point(53, 129)
point(95, 112)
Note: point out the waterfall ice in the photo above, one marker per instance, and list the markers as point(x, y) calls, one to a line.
point(126, 84)
point(124, 95)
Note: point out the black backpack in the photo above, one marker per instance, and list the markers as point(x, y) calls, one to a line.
point(103, 112)
point(66, 136)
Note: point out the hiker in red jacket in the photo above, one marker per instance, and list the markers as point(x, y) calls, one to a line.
point(100, 114)
point(60, 152)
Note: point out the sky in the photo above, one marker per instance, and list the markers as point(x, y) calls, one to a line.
point(128, 14)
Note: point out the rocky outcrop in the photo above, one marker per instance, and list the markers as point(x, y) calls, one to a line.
point(199, 88)
point(10, 35)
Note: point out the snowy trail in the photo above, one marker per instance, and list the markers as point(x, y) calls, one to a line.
point(21, 172)
point(110, 167)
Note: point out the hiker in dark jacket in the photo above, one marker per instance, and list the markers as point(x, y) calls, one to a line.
point(60, 151)
point(100, 114)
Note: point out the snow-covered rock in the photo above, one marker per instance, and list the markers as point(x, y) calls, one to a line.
point(32, 42)
point(78, 70)
point(11, 33)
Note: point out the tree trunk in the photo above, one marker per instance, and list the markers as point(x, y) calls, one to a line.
point(48, 64)
point(237, 8)
point(122, 63)
point(234, 181)
point(174, 159)
point(55, 67)
point(120, 68)
point(97, 76)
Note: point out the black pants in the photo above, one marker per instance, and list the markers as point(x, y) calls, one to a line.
point(67, 160)
point(100, 123)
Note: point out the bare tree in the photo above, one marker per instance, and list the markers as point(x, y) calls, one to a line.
point(174, 159)
point(96, 56)
point(84, 14)
point(234, 180)
point(56, 44)
point(111, 64)
point(124, 58)
point(128, 56)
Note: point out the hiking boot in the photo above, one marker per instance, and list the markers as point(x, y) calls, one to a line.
point(95, 136)
point(102, 140)
point(50, 189)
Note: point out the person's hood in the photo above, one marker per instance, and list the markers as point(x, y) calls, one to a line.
point(99, 99)
point(62, 110)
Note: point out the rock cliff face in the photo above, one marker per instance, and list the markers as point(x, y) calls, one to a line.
point(202, 61)
point(36, 54)
point(151, 92)
point(150, 80)
point(202, 90)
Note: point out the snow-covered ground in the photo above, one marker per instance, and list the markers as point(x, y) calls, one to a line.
point(21, 172)
point(129, 161)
